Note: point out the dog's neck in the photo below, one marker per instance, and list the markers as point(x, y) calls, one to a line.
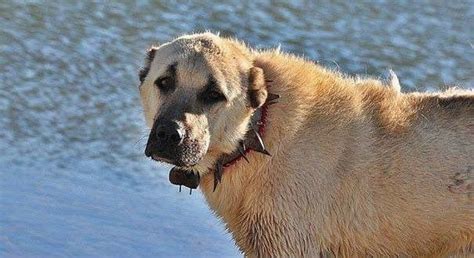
point(255, 131)
point(252, 141)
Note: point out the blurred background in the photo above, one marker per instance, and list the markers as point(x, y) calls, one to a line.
point(73, 177)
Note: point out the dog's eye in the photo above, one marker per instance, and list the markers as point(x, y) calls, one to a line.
point(165, 84)
point(213, 96)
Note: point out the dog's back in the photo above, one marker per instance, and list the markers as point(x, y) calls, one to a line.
point(420, 169)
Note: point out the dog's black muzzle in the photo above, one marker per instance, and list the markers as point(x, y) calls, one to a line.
point(164, 141)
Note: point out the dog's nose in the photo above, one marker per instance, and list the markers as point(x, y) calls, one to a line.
point(164, 139)
point(169, 134)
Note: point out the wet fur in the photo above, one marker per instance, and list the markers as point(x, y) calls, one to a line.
point(358, 168)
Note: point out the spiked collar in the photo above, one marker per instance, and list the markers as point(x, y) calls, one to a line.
point(252, 141)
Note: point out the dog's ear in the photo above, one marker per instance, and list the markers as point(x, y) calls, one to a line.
point(149, 58)
point(257, 90)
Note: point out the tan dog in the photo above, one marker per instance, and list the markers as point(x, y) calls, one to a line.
point(356, 169)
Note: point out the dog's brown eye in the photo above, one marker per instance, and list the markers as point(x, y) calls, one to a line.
point(165, 84)
point(212, 96)
point(215, 95)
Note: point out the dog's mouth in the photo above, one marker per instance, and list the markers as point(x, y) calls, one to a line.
point(155, 157)
point(183, 163)
point(187, 154)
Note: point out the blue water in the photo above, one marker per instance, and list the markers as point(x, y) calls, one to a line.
point(73, 177)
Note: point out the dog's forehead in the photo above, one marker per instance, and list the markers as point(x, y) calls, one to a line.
point(195, 60)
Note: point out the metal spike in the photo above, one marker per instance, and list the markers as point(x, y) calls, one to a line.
point(190, 191)
point(241, 150)
point(180, 188)
point(215, 182)
point(270, 103)
point(217, 174)
point(272, 97)
point(259, 138)
point(264, 152)
point(259, 146)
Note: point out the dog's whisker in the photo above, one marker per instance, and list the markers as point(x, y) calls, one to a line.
point(140, 139)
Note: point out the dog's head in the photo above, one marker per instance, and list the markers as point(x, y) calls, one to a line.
point(198, 93)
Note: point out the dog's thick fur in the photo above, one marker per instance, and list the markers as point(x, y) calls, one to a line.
point(357, 169)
